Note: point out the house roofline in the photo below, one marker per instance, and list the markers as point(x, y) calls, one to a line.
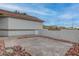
point(19, 16)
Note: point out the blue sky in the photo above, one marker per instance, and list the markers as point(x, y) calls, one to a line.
point(61, 14)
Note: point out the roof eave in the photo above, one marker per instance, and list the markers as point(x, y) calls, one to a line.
point(4, 16)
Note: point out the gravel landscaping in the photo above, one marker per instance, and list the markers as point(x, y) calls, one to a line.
point(73, 51)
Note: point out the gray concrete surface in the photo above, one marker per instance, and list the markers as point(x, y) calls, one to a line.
point(39, 46)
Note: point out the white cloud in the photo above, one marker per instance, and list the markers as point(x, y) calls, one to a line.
point(10, 7)
point(67, 16)
point(39, 9)
point(36, 9)
point(69, 13)
point(43, 11)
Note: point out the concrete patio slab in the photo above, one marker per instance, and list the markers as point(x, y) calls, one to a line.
point(39, 46)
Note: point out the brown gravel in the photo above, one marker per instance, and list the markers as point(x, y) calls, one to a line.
point(16, 51)
point(73, 51)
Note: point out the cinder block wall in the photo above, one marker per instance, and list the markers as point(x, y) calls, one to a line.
point(69, 35)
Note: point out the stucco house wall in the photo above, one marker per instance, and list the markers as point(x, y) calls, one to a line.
point(3, 25)
point(22, 27)
point(15, 27)
point(14, 23)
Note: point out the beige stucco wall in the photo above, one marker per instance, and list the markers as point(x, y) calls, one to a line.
point(14, 23)
point(3, 23)
point(3, 33)
point(19, 33)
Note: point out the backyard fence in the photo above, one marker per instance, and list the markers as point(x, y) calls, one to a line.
point(69, 35)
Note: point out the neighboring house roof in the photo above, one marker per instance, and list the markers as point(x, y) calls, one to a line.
point(20, 16)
